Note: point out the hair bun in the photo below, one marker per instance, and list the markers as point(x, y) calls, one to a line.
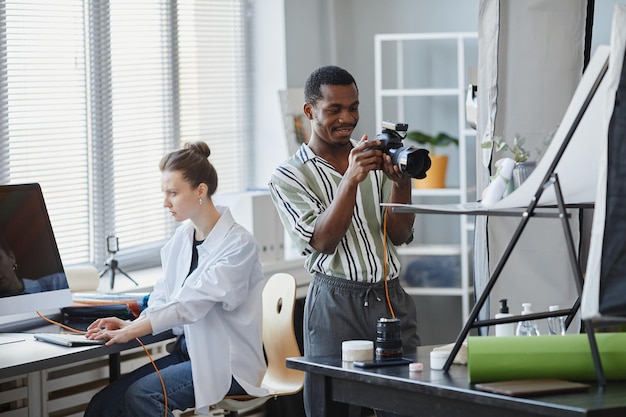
point(199, 146)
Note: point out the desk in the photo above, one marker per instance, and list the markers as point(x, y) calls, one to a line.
point(40, 378)
point(32, 355)
point(437, 393)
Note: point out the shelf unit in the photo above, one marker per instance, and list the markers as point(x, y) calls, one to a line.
point(395, 86)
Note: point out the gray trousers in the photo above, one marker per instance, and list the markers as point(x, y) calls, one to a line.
point(337, 310)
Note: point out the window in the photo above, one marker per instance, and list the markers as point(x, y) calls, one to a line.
point(95, 92)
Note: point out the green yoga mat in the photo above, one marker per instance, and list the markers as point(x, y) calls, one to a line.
point(566, 357)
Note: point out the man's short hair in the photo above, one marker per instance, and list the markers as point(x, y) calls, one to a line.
point(327, 75)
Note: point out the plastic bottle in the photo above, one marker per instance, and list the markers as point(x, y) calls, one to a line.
point(527, 327)
point(556, 325)
point(506, 329)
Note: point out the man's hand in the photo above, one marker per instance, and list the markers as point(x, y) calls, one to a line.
point(393, 171)
point(363, 158)
point(366, 157)
point(399, 225)
point(332, 225)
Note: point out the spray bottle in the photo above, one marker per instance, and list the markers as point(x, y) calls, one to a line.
point(527, 327)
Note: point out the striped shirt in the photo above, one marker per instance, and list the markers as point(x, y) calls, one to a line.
point(303, 187)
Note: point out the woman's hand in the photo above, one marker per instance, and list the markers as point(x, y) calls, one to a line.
point(110, 329)
point(108, 323)
point(115, 330)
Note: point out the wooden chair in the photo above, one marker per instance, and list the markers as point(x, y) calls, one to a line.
point(279, 342)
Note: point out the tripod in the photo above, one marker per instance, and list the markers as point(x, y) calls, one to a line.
point(111, 265)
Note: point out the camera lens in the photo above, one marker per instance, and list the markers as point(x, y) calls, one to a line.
point(413, 162)
point(388, 339)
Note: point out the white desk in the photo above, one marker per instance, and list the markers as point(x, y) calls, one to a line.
point(40, 378)
point(32, 355)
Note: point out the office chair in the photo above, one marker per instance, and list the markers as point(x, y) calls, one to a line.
point(279, 342)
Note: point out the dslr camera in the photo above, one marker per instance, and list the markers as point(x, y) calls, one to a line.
point(413, 162)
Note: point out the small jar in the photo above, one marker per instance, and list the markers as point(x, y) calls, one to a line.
point(357, 350)
point(438, 359)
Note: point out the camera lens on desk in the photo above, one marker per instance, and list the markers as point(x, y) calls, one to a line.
point(388, 339)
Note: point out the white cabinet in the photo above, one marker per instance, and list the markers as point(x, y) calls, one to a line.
point(422, 79)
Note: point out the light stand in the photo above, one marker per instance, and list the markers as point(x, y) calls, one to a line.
point(111, 265)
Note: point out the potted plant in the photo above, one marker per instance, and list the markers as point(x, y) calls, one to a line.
point(523, 166)
point(436, 175)
point(516, 149)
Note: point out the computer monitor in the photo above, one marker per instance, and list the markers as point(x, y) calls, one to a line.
point(31, 273)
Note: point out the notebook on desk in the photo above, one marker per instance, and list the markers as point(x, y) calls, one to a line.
point(67, 339)
point(530, 387)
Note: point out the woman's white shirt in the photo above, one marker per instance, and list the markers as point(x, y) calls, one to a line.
point(218, 306)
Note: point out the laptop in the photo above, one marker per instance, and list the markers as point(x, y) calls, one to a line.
point(67, 339)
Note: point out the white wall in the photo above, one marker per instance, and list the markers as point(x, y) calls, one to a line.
point(269, 75)
point(346, 37)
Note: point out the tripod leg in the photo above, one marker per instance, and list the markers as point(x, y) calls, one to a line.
point(127, 276)
point(112, 277)
point(109, 269)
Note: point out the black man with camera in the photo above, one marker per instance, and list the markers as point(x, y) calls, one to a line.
point(329, 196)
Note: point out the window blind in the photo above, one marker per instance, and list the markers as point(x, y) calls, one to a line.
point(44, 112)
point(95, 92)
point(214, 90)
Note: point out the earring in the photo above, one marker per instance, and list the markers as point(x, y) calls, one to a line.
point(200, 201)
point(15, 267)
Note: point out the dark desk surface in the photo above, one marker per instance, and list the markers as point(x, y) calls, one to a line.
point(437, 393)
point(31, 355)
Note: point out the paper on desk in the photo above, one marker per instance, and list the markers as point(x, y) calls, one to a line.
point(565, 357)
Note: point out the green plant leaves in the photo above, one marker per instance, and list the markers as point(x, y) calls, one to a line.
point(440, 140)
point(520, 154)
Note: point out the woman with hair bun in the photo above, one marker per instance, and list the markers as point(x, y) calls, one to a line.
point(209, 295)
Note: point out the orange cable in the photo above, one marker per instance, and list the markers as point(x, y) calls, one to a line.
point(60, 324)
point(158, 373)
point(138, 341)
point(385, 261)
